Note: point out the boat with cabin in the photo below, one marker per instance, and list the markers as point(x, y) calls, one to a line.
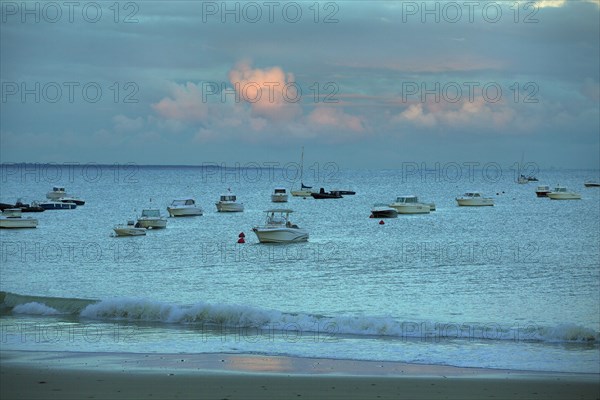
point(279, 229)
point(561, 193)
point(151, 218)
point(410, 204)
point(184, 207)
point(474, 199)
point(56, 193)
point(228, 203)
point(11, 218)
point(279, 195)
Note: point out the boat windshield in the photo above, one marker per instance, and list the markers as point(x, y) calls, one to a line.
point(279, 191)
point(228, 198)
point(187, 202)
point(406, 199)
point(151, 213)
point(276, 218)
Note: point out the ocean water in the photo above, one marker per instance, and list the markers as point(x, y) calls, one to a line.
point(513, 286)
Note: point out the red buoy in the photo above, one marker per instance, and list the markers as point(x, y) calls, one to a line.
point(241, 240)
point(381, 222)
point(242, 235)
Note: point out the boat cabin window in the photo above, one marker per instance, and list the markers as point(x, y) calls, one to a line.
point(228, 198)
point(151, 213)
point(282, 191)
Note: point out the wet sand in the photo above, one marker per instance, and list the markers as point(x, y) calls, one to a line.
point(60, 375)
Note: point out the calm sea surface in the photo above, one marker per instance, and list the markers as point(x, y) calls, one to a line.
point(511, 286)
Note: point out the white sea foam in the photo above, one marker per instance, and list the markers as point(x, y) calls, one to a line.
point(35, 308)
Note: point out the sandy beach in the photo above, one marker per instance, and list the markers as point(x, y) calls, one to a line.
point(59, 375)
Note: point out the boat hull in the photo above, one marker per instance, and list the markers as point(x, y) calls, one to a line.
point(279, 198)
point(564, 196)
point(152, 223)
point(280, 235)
point(301, 193)
point(591, 184)
point(78, 202)
point(541, 194)
point(475, 202)
point(412, 208)
point(229, 207)
point(184, 212)
point(326, 195)
point(18, 223)
point(384, 213)
point(129, 231)
point(58, 206)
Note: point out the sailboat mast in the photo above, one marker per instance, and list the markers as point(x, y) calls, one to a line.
point(302, 167)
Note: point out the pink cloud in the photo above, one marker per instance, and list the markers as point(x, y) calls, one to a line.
point(270, 92)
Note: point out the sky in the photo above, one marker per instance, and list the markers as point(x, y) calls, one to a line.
point(362, 84)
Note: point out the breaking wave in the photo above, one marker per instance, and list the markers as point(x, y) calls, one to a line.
point(236, 316)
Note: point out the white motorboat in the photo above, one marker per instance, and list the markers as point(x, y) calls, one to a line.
point(151, 218)
point(381, 210)
point(184, 207)
point(304, 190)
point(542, 191)
point(591, 184)
point(228, 203)
point(561, 193)
point(279, 229)
point(410, 205)
point(474, 199)
point(56, 193)
point(279, 195)
point(11, 219)
point(129, 230)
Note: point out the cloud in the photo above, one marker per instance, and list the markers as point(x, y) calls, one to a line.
point(415, 114)
point(270, 92)
point(185, 104)
point(550, 3)
point(126, 124)
point(559, 3)
point(478, 114)
point(330, 117)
